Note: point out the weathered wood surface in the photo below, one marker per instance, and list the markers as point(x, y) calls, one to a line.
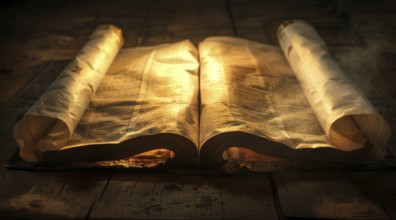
point(329, 195)
point(154, 196)
point(39, 38)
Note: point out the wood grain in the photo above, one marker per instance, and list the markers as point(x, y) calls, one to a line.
point(327, 194)
point(157, 196)
point(379, 187)
point(40, 38)
point(154, 196)
point(54, 195)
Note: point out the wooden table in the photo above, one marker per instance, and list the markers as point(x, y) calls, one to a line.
point(38, 39)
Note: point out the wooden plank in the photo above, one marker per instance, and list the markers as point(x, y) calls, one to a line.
point(55, 194)
point(48, 195)
point(379, 186)
point(34, 40)
point(51, 69)
point(369, 62)
point(324, 195)
point(334, 29)
point(157, 196)
point(362, 47)
point(249, 21)
point(328, 194)
point(23, 193)
point(368, 7)
point(171, 21)
point(26, 194)
point(21, 103)
point(107, 194)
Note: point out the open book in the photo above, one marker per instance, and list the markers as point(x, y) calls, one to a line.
point(229, 98)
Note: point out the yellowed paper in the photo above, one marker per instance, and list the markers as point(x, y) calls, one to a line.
point(147, 100)
point(50, 122)
point(110, 103)
point(251, 98)
point(346, 116)
point(148, 93)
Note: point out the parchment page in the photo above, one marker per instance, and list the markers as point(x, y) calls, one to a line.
point(346, 116)
point(50, 122)
point(147, 91)
point(251, 98)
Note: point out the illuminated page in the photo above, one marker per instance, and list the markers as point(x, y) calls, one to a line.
point(147, 100)
point(50, 122)
point(251, 98)
point(346, 116)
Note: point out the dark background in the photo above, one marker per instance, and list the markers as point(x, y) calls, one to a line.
point(38, 39)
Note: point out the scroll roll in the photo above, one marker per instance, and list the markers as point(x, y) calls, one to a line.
point(50, 122)
point(345, 114)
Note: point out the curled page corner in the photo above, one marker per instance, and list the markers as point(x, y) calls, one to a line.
point(347, 117)
point(50, 122)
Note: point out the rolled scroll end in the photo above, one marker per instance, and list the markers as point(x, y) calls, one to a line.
point(37, 134)
point(346, 116)
point(286, 23)
point(25, 152)
point(114, 29)
point(378, 132)
point(49, 123)
point(56, 137)
point(353, 132)
point(346, 135)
